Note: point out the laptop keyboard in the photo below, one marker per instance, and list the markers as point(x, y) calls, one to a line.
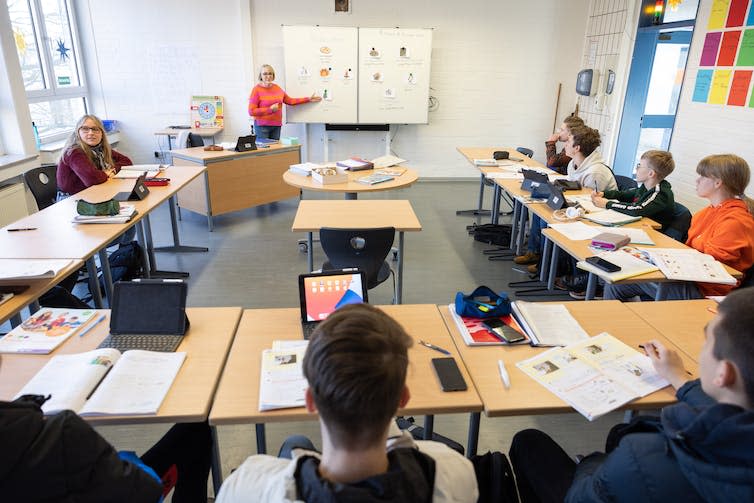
point(161, 343)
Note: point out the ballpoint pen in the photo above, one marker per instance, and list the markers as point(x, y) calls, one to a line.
point(436, 348)
point(96, 322)
point(504, 374)
point(22, 229)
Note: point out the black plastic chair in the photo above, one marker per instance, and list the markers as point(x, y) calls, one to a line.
point(194, 140)
point(679, 227)
point(748, 280)
point(365, 249)
point(625, 182)
point(526, 151)
point(43, 185)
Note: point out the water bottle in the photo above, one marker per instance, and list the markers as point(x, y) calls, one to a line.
point(37, 141)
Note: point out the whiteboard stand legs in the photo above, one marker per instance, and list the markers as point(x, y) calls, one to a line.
point(326, 146)
point(387, 141)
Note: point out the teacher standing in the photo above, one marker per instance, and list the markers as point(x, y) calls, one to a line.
point(266, 104)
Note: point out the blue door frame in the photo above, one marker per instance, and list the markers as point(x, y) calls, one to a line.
point(633, 119)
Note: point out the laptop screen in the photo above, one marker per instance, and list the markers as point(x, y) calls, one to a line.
point(322, 293)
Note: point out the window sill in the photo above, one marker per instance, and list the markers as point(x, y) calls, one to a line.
point(13, 165)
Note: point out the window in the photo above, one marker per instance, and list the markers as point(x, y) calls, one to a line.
point(47, 45)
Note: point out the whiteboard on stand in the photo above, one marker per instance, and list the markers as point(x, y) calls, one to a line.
point(322, 59)
point(394, 71)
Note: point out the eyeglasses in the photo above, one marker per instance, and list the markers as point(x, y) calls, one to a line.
point(87, 129)
point(267, 73)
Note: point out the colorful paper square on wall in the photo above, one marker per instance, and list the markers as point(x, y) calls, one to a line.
point(718, 14)
point(702, 86)
point(709, 51)
point(739, 88)
point(728, 48)
point(746, 53)
point(737, 13)
point(719, 88)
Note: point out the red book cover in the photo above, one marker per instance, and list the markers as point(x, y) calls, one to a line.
point(474, 332)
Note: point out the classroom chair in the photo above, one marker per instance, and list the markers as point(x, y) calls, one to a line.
point(625, 182)
point(679, 227)
point(365, 249)
point(43, 185)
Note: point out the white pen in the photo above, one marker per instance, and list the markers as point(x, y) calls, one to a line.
point(504, 374)
point(91, 326)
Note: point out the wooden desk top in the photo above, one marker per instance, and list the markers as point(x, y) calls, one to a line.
point(307, 183)
point(313, 214)
point(56, 236)
point(203, 132)
point(206, 344)
point(681, 321)
point(237, 398)
point(201, 156)
point(528, 397)
point(471, 153)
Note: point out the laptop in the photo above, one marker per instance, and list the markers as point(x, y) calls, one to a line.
point(557, 200)
point(148, 314)
point(246, 143)
point(532, 179)
point(321, 293)
point(138, 193)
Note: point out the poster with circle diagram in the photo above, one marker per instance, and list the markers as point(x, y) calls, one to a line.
point(321, 59)
point(394, 70)
point(207, 111)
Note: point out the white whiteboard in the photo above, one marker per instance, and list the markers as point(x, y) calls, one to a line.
point(322, 59)
point(394, 69)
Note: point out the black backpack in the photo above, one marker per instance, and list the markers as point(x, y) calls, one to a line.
point(492, 234)
point(494, 477)
point(126, 262)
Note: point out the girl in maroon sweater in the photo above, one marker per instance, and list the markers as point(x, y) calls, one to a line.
point(87, 158)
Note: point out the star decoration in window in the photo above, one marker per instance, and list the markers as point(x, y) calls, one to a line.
point(62, 50)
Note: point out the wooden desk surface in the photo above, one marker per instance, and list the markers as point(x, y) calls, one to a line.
point(204, 132)
point(56, 236)
point(237, 398)
point(207, 343)
point(313, 214)
point(201, 156)
point(526, 396)
point(681, 321)
point(471, 153)
point(307, 183)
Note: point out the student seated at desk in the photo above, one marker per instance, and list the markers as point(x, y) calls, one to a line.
point(62, 458)
point(700, 449)
point(653, 198)
point(559, 161)
point(586, 167)
point(87, 158)
point(724, 229)
point(356, 366)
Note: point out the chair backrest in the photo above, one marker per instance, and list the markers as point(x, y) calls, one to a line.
point(748, 279)
point(679, 227)
point(194, 140)
point(526, 151)
point(43, 185)
point(625, 182)
point(365, 249)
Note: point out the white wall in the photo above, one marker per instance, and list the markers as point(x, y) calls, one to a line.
point(702, 129)
point(495, 69)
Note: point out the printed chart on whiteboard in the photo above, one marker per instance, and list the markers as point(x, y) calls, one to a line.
point(394, 70)
point(321, 59)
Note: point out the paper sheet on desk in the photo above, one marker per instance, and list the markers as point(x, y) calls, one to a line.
point(577, 231)
point(504, 175)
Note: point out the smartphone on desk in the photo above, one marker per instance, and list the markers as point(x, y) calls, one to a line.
point(603, 264)
point(502, 331)
point(449, 374)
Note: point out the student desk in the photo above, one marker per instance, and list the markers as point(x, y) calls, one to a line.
point(580, 250)
point(237, 397)
point(312, 215)
point(528, 397)
point(351, 188)
point(236, 180)
point(206, 344)
point(681, 321)
point(471, 153)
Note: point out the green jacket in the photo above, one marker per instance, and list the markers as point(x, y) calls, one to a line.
point(657, 203)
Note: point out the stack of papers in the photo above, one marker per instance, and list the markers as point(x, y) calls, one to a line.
point(577, 231)
point(355, 164)
point(127, 211)
point(303, 169)
point(611, 217)
point(595, 376)
point(14, 269)
point(386, 161)
point(547, 324)
point(282, 384)
point(374, 179)
point(136, 170)
point(485, 162)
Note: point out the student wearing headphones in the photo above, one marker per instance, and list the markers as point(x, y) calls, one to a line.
point(266, 104)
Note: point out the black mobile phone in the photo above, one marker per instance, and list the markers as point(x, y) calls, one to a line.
point(503, 331)
point(449, 375)
point(603, 264)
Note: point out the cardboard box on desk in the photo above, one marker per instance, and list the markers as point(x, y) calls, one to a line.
point(327, 176)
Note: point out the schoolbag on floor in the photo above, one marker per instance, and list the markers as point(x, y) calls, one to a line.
point(492, 234)
point(126, 262)
point(494, 477)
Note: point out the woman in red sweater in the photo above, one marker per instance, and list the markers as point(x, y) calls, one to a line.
point(87, 158)
point(724, 229)
point(266, 104)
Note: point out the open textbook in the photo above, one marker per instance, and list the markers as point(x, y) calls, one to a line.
point(594, 376)
point(106, 382)
point(688, 264)
point(547, 324)
point(45, 330)
point(14, 269)
point(632, 262)
point(282, 384)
